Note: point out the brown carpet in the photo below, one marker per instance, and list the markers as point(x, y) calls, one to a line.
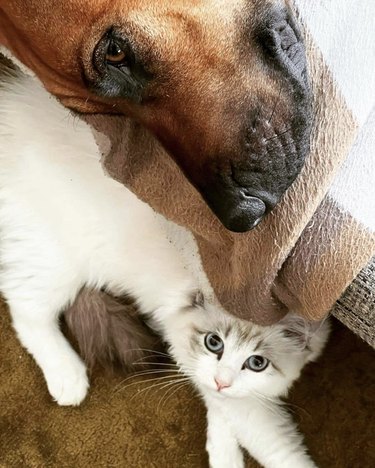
point(121, 426)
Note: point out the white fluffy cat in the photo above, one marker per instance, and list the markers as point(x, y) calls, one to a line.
point(241, 370)
point(64, 225)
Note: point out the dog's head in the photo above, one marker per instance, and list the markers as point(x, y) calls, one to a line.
point(221, 83)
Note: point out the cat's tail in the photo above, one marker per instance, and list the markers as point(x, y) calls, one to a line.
point(109, 331)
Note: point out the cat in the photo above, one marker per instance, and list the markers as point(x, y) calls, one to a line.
point(64, 226)
point(241, 370)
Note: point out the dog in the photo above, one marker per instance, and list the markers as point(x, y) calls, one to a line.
point(222, 84)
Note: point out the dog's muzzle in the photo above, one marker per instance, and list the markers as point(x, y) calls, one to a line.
point(276, 143)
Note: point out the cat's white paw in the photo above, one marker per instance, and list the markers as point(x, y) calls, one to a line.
point(236, 462)
point(225, 457)
point(68, 385)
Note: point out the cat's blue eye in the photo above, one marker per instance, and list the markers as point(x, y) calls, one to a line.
point(214, 343)
point(256, 363)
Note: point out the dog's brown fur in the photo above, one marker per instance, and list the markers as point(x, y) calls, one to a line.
point(215, 91)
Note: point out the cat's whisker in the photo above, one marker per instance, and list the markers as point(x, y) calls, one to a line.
point(158, 386)
point(171, 365)
point(269, 403)
point(171, 386)
point(291, 407)
point(147, 389)
point(153, 352)
point(175, 371)
point(262, 397)
point(154, 371)
point(144, 361)
point(150, 356)
point(170, 393)
point(156, 364)
point(159, 353)
point(187, 373)
point(194, 396)
point(174, 366)
point(169, 376)
point(148, 372)
point(171, 383)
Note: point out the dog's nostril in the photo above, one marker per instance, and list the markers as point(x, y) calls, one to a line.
point(255, 201)
point(246, 194)
point(280, 29)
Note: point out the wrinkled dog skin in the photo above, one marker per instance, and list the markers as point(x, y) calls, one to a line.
point(221, 83)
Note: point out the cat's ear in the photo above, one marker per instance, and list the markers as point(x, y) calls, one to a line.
point(197, 299)
point(298, 329)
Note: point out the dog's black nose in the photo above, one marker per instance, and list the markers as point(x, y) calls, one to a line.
point(237, 208)
point(246, 213)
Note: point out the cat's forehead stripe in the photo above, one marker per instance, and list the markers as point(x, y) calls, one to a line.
point(228, 330)
point(259, 344)
point(259, 339)
point(245, 332)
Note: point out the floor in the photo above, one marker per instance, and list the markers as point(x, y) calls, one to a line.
point(130, 424)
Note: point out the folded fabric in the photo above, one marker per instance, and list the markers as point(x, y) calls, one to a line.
point(313, 244)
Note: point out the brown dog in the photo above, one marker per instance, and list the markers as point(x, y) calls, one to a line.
point(221, 83)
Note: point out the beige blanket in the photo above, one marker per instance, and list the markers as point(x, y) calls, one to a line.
point(308, 250)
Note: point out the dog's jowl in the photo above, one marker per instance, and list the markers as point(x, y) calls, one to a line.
point(221, 83)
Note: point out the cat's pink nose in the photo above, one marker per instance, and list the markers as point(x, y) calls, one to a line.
point(220, 384)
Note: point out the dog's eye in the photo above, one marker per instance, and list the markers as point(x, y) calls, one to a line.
point(256, 363)
point(118, 69)
point(115, 55)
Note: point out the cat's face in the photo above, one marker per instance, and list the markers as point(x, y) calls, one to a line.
point(237, 359)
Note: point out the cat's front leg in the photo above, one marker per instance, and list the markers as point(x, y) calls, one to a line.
point(64, 371)
point(269, 434)
point(222, 446)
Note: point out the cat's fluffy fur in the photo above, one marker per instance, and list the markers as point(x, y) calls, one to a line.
point(110, 331)
point(248, 412)
point(65, 225)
